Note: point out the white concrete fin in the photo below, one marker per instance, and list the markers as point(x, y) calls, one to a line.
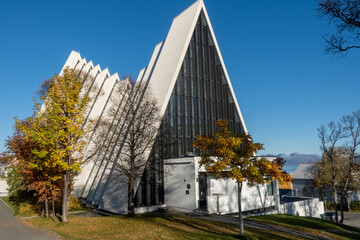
point(81, 64)
point(172, 54)
point(93, 72)
point(115, 75)
point(152, 63)
point(88, 66)
point(141, 74)
point(103, 96)
point(73, 58)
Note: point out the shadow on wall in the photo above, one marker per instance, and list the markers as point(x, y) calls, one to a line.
point(115, 198)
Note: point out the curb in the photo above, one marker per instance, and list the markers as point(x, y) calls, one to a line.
point(12, 210)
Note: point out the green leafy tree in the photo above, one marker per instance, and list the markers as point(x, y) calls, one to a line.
point(26, 173)
point(229, 156)
point(58, 127)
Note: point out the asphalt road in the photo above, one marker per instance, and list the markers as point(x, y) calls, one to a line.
point(352, 219)
point(12, 228)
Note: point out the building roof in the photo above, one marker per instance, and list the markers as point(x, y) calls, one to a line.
point(303, 171)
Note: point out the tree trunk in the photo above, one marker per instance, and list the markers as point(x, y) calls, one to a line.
point(52, 201)
point(335, 203)
point(347, 199)
point(65, 197)
point(131, 198)
point(46, 207)
point(342, 207)
point(43, 210)
point(323, 194)
point(241, 222)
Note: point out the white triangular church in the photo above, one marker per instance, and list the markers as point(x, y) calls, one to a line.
point(188, 77)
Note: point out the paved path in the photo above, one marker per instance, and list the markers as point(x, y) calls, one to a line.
point(352, 219)
point(12, 228)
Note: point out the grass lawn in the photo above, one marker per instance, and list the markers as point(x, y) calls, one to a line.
point(311, 225)
point(151, 226)
point(24, 209)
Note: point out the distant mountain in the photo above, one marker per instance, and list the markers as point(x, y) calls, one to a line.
point(294, 159)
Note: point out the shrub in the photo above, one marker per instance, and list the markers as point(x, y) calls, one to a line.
point(330, 206)
point(74, 204)
point(27, 209)
point(355, 205)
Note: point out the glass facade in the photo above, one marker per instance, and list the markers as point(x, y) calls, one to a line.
point(200, 97)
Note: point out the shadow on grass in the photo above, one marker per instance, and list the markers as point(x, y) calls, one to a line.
point(212, 228)
point(311, 224)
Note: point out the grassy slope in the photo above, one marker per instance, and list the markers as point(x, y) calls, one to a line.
point(150, 226)
point(311, 225)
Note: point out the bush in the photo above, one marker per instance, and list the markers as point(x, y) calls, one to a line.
point(74, 204)
point(330, 206)
point(28, 210)
point(355, 205)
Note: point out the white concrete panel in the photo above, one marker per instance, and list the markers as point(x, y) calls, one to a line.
point(115, 198)
point(81, 64)
point(179, 173)
point(72, 60)
point(252, 197)
point(103, 96)
point(141, 74)
point(100, 172)
point(88, 67)
point(306, 208)
point(172, 54)
point(150, 68)
point(96, 70)
point(94, 115)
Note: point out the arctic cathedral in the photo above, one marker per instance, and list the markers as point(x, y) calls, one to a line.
point(187, 76)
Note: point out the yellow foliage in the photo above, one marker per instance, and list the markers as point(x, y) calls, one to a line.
point(231, 156)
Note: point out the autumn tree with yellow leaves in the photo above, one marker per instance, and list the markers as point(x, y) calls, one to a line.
point(58, 127)
point(233, 156)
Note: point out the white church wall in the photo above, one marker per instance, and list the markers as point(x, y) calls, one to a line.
point(115, 197)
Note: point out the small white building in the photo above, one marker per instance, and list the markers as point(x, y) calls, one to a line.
point(3, 185)
point(188, 188)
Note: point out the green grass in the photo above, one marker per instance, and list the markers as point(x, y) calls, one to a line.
point(26, 209)
point(311, 225)
point(151, 226)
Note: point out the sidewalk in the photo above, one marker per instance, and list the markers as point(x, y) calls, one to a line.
point(12, 228)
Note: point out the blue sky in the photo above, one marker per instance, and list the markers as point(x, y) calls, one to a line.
point(286, 87)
